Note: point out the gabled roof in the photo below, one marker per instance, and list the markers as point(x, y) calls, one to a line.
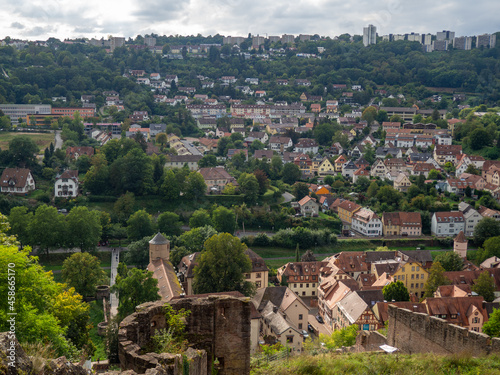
point(14, 177)
point(460, 238)
point(280, 296)
point(349, 206)
point(214, 173)
point(305, 200)
point(159, 240)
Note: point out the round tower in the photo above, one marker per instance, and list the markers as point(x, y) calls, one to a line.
point(159, 247)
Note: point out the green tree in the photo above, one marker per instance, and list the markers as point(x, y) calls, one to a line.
point(138, 287)
point(195, 186)
point(450, 261)
point(291, 173)
point(396, 291)
point(372, 189)
point(139, 225)
point(20, 219)
point(84, 228)
point(480, 138)
point(194, 239)
point(435, 280)
point(124, 206)
point(96, 179)
point(224, 220)
point(262, 180)
point(492, 326)
point(249, 187)
point(300, 190)
point(83, 272)
point(323, 133)
point(47, 228)
point(369, 114)
point(137, 253)
point(200, 218)
point(484, 286)
point(206, 161)
point(222, 266)
point(486, 228)
point(387, 194)
point(433, 174)
point(169, 224)
point(170, 189)
point(23, 150)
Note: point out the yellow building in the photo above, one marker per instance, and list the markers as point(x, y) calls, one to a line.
point(346, 210)
point(413, 275)
point(325, 168)
point(339, 162)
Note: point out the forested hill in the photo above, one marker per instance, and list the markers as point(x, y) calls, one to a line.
point(35, 74)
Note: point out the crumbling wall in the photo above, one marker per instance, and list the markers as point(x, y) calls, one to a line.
point(219, 326)
point(413, 332)
point(368, 341)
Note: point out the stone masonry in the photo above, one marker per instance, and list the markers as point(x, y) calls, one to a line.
point(420, 333)
point(218, 327)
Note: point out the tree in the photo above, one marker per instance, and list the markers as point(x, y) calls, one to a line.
point(170, 189)
point(47, 228)
point(389, 195)
point(83, 272)
point(323, 133)
point(450, 261)
point(195, 186)
point(200, 218)
point(137, 253)
point(479, 138)
point(486, 228)
point(208, 161)
point(300, 190)
point(484, 286)
point(169, 224)
point(222, 266)
point(161, 138)
point(194, 239)
point(433, 174)
point(291, 173)
point(308, 257)
point(328, 180)
point(263, 181)
point(369, 153)
point(138, 287)
point(19, 220)
point(396, 291)
point(124, 206)
point(96, 179)
point(249, 187)
point(435, 280)
point(369, 114)
point(224, 220)
point(23, 150)
point(492, 326)
point(297, 254)
point(139, 225)
point(372, 190)
point(84, 228)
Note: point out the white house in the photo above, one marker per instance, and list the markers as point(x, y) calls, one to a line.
point(447, 224)
point(66, 185)
point(366, 222)
point(17, 181)
point(472, 217)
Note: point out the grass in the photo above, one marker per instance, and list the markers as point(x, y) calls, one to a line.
point(42, 140)
point(381, 363)
point(277, 263)
point(278, 252)
point(97, 316)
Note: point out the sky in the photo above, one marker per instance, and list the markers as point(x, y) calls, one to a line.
point(42, 19)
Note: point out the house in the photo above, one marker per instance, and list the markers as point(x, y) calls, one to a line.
point(395, 165)
point(356, 309)
point(346, 210)
point(361, 172)
point(17, 181)
point(382, 152)
point(366, 222)
point(379, 169)
point(308, 206)
point(458, 186)
point(234, 151)
point(280, 144)
point(339, 163)
point(352, 263)
point(460, 245)
point(413, 275)
point(261, 154)
point(216, 178)
point(325, 167)
point(472, 217)
point(333, 288)
point(489, 212)
point(284, 314)
point(402, 224)
point(422, 169)
point(77, 151)
point(402, 183)
point(304, 162)
point(447, 153)
point(349, 168)
point(447, 224)
point(179, 161)
point(66, 185)
point(306, 145)
point(301, 277)
point(155, 129)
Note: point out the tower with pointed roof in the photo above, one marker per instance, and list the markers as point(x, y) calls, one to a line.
point(159, 248)
point(460, 245)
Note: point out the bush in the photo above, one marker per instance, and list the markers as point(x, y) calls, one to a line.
point(261, 240)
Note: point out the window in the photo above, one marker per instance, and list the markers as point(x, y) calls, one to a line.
point(475, 320)
point(412, 276)
point(422, 276)
point(300, 316)
point(417, 275)
point(247, 276)
point(301, 285)
point(303, 293)
point(300, 325)
point(258, 275)
point(295, 285)
point(418, 268)
point(314, 285)
point(289, 339)
point(411, 285)
point(412, 268)
point(313, 293)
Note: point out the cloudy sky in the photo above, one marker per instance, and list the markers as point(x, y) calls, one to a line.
point(41, 19)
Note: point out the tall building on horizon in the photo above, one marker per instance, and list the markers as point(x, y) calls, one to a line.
point(486, 40)
point(369, 35)
point(445, 35)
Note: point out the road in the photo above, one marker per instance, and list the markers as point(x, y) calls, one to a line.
point(113, 300)
point(288, 197)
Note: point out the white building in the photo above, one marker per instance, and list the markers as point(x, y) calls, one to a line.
point(447, 224)
point(472, 217)
point(369, 35)
point(66, 185)
point(366, 222)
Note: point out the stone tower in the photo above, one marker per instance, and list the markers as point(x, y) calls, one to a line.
point(460, 245)
point(159, 247)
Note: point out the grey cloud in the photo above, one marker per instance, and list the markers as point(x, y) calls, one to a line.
point(17, 25)
point(38, 30)
point(160, 10)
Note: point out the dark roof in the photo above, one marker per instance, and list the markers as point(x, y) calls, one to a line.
point(14, 177)
point(371, 297)
point(258, 264)
point(159, 240)
point(374, 256)
point(421, 256)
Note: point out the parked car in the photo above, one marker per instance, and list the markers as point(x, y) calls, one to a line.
point(319, 319)
point(305, 334)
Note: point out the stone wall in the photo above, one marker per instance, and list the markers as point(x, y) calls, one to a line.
point(368, 341)
point(218, 326)
point(420, 333)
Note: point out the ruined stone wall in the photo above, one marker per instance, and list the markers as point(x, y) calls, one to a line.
point(420, 333)
point(218, 326)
